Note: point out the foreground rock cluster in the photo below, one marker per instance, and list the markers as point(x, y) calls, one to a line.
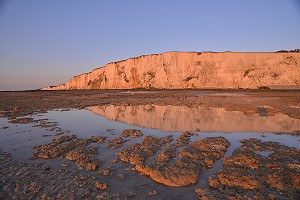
point(155, 157)
point(255, 170)
point(20, 180)
point(73, 149)
point(259, 170)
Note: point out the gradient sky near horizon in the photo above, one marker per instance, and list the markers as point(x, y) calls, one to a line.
point(45, 42)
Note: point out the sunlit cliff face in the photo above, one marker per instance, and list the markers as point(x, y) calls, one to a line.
point(183, 118)
point(192, 70)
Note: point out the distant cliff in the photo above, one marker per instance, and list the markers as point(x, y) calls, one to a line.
point(172, 70)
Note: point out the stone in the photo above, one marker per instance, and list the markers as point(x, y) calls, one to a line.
point(131, 133)
point(22, 120)
point(153, 192)
point(116, 143)
point(201, 194)
point(98, 139)
point(101, 185)
point(64, 165)
point(88, 164)
point(81, 153)
point(106, 171)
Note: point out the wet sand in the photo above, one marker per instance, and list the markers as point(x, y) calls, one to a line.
point(42, 159)
point(14, 104)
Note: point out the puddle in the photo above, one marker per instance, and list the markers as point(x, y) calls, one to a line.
point(182, 118)
point(158, 121)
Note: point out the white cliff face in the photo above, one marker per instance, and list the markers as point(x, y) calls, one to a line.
point(192, 70)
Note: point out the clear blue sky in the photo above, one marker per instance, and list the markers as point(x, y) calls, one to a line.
point(46, 42)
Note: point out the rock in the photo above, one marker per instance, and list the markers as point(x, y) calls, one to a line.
point(106, 171)
point(233, 178)
point(64, 165)
point(153, 192)
point(81, 153)
point(22, 120)
point(71, 148)
point(101, 185)
point(54, 150)
point(131, 133)
point(88, 164)
point(247, 170)
point(59, 133)
point(201, 194)
point(137, 153)
point(271, 196)
point(188, 134)
point(171, 70)
point(171, 175)
point(64, 139)
point(98, 139)
point(116, 143)
point(60, 170)
point(185, 171)
point(166, 154)
point(247, 161)
point(182, 140)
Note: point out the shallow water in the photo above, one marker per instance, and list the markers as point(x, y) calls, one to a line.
point(203, 119)
point(155, 120)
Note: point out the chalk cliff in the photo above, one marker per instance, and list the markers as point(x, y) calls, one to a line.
point(172, 70)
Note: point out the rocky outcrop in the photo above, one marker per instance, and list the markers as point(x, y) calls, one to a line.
point(172, 70)
point(73, 149)
point(270, 168)
point(172, 166)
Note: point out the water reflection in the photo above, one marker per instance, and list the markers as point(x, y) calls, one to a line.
point(183, 118)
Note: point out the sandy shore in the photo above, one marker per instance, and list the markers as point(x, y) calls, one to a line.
point(15, 104)
point(133, 164)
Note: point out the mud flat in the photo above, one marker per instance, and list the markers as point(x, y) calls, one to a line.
point(150, 144)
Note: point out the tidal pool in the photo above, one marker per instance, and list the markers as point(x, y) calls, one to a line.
point(156, 120)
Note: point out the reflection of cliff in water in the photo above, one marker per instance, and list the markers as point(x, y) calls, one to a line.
point(182, 118)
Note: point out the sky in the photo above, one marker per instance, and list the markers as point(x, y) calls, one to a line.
point(47, 42)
